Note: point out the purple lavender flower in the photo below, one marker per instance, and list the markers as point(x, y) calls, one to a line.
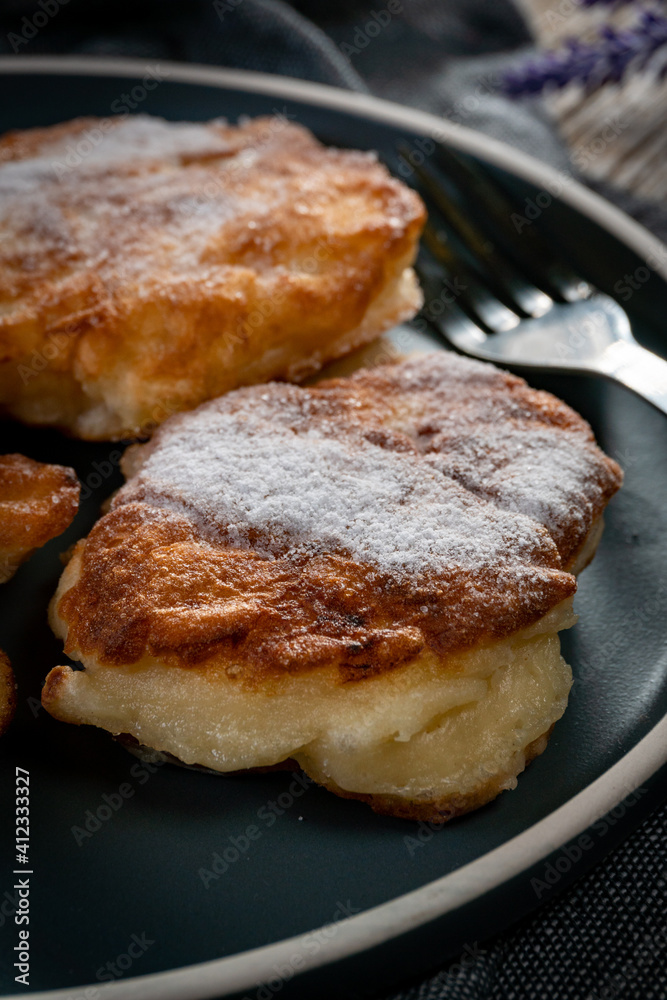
point(605, 60)
point(604, 3)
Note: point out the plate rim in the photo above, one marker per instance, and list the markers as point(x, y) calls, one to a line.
point(380, 924)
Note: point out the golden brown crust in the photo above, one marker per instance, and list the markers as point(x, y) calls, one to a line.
point(7, 693)
point(54, 684)
point(441, 810)
point(149, 584)
point(172, 262)
point(37, 502)
point(150, 580)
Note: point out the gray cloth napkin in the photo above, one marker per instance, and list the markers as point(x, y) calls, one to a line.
point(605, 938)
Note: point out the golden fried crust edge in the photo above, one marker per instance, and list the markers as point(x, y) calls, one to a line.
point(397, 628)
point(38, 501)
point(7, 693)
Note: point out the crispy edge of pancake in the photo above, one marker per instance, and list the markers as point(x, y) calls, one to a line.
point(87, 411)
point(100, 609)
point(38, 501)
point(52, 494)
point(7, 693)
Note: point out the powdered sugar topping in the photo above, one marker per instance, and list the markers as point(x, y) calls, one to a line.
point(271, 468)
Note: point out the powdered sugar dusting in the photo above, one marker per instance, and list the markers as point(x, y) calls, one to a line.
point(308, 493)
point(139, 137)
point(283, 470)
point(94, 195)
point(126, 200)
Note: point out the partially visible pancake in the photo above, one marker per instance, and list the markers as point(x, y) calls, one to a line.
point(7, 693)
point(367, 576)
point(37, 502)
point(149, 265)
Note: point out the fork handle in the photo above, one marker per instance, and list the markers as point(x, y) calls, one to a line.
point(638, 369)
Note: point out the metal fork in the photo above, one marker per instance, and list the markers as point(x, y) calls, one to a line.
point(507, 297)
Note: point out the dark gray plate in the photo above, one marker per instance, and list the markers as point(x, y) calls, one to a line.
point(119, 855)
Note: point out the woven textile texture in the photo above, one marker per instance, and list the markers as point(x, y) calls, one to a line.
point(604, 939)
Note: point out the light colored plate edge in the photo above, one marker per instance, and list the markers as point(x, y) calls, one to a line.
point(359, 933)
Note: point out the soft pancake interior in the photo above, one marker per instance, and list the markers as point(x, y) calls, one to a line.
point(441, 736)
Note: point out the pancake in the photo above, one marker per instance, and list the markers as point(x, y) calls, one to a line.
point(37, 502)
point(7, 693)
point(147, 266)
point(366, 576)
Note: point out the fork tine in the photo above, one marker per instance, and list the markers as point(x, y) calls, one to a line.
point(508, 285)
point(446, 315)
point(459, 282)
point(553, 275)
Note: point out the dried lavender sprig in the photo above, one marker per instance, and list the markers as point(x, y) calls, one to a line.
point(604, 60)
point(607, 3)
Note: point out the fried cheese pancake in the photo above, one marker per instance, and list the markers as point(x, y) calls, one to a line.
point(7, 693)
point(37, 502)
point(147, 265)
point(366, 576)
